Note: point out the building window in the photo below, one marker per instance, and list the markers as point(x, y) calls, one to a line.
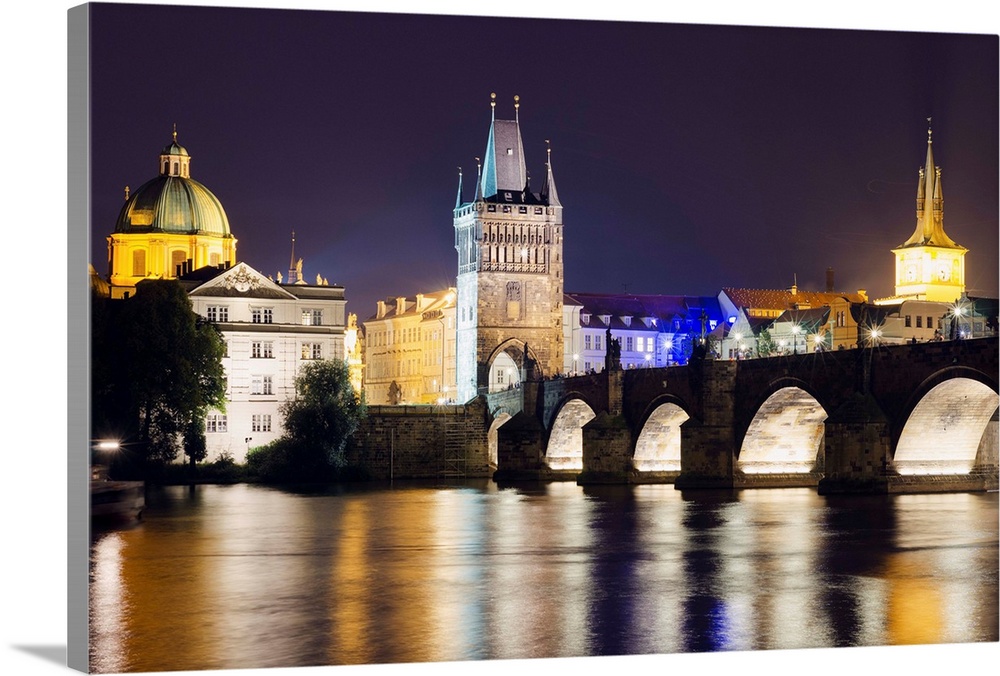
point(215, 422)
point(262, 315)
point(908, 323)
point(930, 322)
point(260, 422)
point(177, 258)
point(629, 346)
point(920, 322)
point(262, 349)
point(597, 342)
point(312, 317)
point(513, 300)
point(217, 313)
point(139, 263)
point(261, 385)
point(586, 342)
point(312, 350)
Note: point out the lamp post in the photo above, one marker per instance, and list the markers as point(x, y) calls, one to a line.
point(796, 330)
point(956, 315)
point(576, 357)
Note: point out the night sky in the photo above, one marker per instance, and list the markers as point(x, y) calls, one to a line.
point(687, 157)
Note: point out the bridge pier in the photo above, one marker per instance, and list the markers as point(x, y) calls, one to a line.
point(858, 454)
point(520, 449)
point(708, 446)
point(607, 451)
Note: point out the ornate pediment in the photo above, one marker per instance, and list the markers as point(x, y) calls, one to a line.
point(241, 281)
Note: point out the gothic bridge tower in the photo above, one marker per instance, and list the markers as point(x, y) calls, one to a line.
point(930, 265)
point(510, 269)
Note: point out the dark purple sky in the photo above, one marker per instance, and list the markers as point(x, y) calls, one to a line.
point(687, 157)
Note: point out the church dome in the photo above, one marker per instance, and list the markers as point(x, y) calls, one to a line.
point(175, 149)
point(173, 202)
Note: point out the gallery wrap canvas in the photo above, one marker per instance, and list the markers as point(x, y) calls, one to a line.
point(548, 247)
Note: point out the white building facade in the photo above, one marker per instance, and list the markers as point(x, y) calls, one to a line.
point(270, 331)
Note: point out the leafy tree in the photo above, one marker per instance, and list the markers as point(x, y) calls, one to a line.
point(318, 421)
point(325, 411)
point(765, 344)
point(156, 371)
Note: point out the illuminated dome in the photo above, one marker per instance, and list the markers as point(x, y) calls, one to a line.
point(173, 202)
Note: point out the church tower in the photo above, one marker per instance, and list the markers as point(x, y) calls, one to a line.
point(930, 265)
point(510, 269)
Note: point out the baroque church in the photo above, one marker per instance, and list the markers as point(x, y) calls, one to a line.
point(173, 227)
point(510, 269)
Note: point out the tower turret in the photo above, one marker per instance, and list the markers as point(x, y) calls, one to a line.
point(930, 265)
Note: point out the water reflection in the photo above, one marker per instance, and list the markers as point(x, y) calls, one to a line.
point(242, 576)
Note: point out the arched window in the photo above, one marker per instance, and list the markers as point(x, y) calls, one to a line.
point(139, 263)
point(177, 257)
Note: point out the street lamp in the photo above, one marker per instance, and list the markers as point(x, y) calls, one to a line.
point(575, 358)
point(957, 313)
point(817, 343)
point(796, 330)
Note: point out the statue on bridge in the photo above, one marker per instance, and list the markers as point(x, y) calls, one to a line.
point(613, 355)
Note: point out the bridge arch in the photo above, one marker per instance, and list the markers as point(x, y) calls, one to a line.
point(785, 435)
point(950, 424)
point(564, 450)
point(658, 447)
point(499, 419)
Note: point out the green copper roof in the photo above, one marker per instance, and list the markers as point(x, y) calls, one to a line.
point(175, 149)
point(173, 204)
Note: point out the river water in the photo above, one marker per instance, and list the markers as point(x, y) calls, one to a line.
point(228, 577)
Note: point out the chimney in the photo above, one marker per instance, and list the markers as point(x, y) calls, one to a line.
point(829, 280)
point(381, 310)
point(400, 305)
point(420, 302)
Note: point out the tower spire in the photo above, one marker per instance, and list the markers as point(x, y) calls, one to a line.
point(291, 264)
point(930, 202)
point(479, 180)
point(549, 194)
point(175, 132)
point(458, 198)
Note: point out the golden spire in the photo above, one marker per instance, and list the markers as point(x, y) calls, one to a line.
point(175, 132)
point(517, 104)
point(126, 193)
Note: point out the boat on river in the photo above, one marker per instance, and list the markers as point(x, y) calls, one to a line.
point(117, 500)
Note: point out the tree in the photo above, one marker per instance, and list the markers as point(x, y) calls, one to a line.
point(324, 413)
point(765, 344)
point(318, 421)
point(156, 371)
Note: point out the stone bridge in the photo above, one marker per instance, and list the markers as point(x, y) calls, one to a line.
point(916, 417)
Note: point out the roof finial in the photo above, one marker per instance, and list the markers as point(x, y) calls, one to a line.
point(929, 132)
point(493, 104)
point(548, 151)
point(126, 193)
point(175, 132)
point(517, 104)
